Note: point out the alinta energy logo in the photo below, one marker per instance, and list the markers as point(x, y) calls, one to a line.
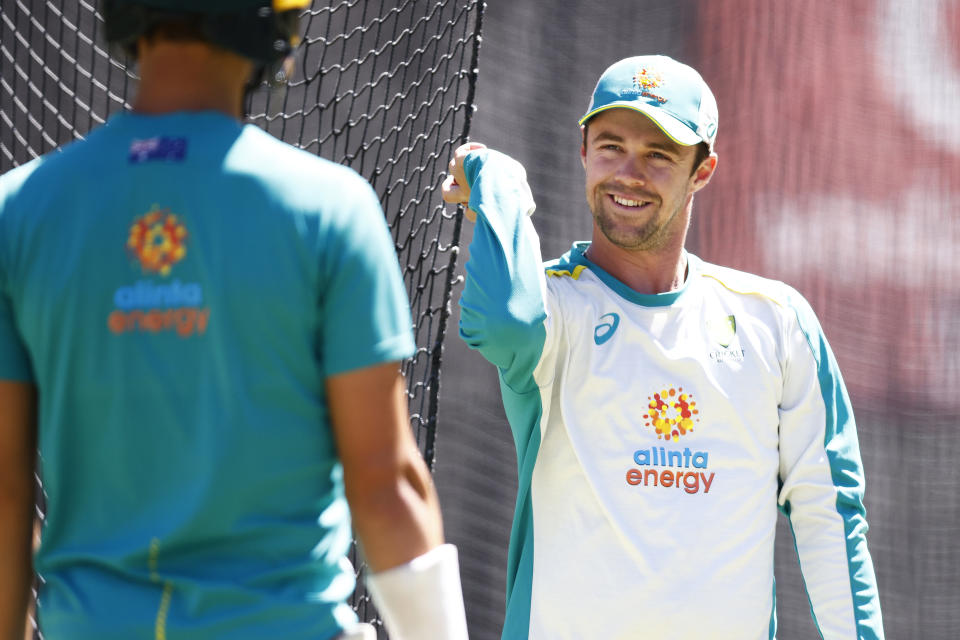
point(157, 241)
point(672, 414)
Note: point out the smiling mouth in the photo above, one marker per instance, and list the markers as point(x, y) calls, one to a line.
point(627, 202)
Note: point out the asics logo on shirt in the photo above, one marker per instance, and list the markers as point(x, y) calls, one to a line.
point(604, 331)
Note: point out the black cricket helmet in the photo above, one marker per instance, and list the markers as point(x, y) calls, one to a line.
point(265, 31)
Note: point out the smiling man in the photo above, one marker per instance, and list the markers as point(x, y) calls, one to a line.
point(662, 407)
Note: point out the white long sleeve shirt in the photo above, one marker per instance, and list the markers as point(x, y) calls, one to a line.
point(657, 435)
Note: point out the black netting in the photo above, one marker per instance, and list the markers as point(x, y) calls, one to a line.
point(384, 86)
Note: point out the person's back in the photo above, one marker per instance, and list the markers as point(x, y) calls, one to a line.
point(172, 316)
point(212, 322)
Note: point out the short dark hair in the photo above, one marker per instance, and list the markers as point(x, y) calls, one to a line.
point(185, 28)
point(703, 149)
point(703, 152)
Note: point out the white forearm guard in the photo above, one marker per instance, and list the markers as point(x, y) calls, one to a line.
point(422, 600)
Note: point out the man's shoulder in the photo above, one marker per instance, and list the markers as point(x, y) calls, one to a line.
point(13, 180)
point(296, 170)
point(274, 156)
point(749, 284)
point(41, 174)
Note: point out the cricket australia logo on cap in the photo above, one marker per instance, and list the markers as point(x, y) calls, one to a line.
point(645, 80)
point(672, 413)
point(157, 241)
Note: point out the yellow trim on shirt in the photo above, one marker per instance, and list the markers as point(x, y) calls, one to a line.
point(160, 624)
point(742, 291)
point(577, 270)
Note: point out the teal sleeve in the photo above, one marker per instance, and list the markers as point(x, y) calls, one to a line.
point(502, 306)
point(503, 315)
point(14, 360)
point(365, 312)
point(846, 470)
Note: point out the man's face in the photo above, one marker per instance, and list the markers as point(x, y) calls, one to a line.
point(638, 181)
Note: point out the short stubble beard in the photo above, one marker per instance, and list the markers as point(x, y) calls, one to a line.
point(651, 236)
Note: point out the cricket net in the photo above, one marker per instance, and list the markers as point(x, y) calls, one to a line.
point(383, 86)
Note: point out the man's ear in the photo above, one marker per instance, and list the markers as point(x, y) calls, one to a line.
point(705, 171)
point(583, 145)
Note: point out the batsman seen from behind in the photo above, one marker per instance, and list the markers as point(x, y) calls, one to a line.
point(663, 407)
point(201, 326)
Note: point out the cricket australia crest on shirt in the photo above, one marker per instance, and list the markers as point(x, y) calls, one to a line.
point(157, 242)
point(722, 333)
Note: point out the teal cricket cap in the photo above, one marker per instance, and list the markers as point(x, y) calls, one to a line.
point(668, 92)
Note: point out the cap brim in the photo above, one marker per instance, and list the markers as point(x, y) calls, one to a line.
point(671, 126)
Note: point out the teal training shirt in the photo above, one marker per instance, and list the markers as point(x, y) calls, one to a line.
point(178, 287)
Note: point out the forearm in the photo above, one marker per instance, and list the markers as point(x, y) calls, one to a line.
point(16, 567)
point(393, 504)
point(414, 578)
point(824, 500)
point(18, 451)
point(502, 305)
point(823, 486)
point(398, 518)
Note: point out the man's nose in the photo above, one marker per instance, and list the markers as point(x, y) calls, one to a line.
point(633, 170)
